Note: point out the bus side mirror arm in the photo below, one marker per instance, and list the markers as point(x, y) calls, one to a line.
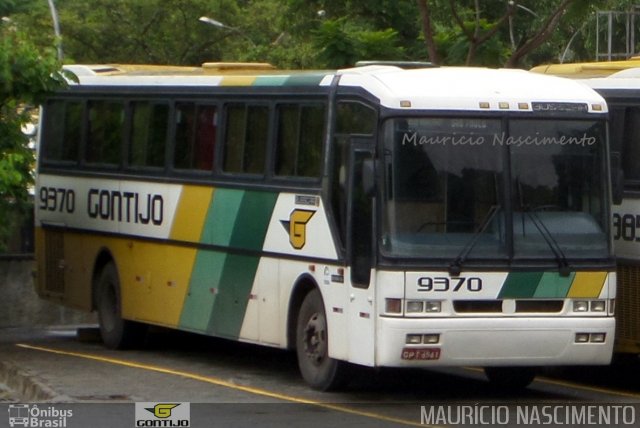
point(369, 177)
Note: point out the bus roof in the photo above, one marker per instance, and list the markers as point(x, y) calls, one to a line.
point(626, 79)
point(442, 88)
point(586, 70)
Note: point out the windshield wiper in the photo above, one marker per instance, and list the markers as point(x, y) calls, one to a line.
point(563, 267)
point(456, 265)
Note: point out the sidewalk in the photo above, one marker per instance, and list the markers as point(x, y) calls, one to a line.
point(19, 374)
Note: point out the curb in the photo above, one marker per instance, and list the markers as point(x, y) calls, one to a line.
point(26, 387)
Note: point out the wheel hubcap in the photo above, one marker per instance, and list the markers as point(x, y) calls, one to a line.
point(315, 339)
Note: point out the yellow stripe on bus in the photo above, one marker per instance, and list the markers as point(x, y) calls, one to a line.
point(191, 213)
point(587, 284)
point(238, 80)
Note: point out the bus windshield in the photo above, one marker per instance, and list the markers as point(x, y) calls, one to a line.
point(479, 188)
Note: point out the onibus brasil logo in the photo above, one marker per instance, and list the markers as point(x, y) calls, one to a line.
point(26, 415)
point(163, 415)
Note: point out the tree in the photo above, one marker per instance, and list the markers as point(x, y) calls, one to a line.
point(26, 75)
point(518, 29)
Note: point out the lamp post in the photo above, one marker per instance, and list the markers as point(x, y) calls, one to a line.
point(218, 24)
point(56, 28)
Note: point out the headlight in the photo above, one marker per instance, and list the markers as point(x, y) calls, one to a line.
point(433, 306)
point(582, 337)
point(414, 306)
point(580, 306)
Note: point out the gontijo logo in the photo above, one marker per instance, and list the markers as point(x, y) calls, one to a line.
point(163, 415)
point(296, 226)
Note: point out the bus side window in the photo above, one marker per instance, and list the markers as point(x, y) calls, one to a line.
point(299, 141)
point(247, 130)
point(62, 130)
point(148, 134)
point(106, 121)
point(195, 136)
point(205, 138)
point(631, 145)
point(185, 119)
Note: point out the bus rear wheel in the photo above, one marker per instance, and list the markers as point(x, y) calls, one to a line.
point(320, 371)
point(116, 332)
point(510, 378)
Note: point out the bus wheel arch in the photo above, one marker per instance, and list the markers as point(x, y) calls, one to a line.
point(104, 257)
point(311, 339)
point(304, 285)
point(116, 332)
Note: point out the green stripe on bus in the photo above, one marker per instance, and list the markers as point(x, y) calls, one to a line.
point(249, 232)
point(209, 266)
point(520, 285)
point(270, 80)
point(230, 305)
point(203, 286)
point(221, 217)
point(253, 219)
point(553, 285)
point(221, 282)
point(305, 79)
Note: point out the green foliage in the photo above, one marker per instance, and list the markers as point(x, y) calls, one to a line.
point(341, 43)
point(453, 47)
point(26, 75)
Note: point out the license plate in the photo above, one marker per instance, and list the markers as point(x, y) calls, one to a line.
point(421, 354)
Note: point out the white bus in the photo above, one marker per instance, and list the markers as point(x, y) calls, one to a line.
point(373, 216)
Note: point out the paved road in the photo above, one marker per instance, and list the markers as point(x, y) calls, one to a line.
point(232, 384)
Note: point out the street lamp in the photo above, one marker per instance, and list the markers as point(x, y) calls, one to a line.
point(56, 27)
point(218, 24)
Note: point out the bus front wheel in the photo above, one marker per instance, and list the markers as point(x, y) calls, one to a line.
point(510, 378)
point(319, 370)
point(116, 332)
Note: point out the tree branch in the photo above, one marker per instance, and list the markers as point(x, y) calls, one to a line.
point(427, 30)
point(541, 36)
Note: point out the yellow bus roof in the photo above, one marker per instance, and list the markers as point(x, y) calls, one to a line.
point(585, 70)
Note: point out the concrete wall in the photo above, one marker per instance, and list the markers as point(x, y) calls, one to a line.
point(20, 306)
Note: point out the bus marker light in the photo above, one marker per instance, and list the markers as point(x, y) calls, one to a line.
point(393, 306)
point(598, 337)
point(580, 306)
point(405, 103)
point(433, 306)
point(414, 339)
point(596, 107)
point(431, 338)
point(503, 105)
point(414, 306)
point(484, 104)
point(523, 106)
point(598, 306)
point(582, 337)
point(312, 268)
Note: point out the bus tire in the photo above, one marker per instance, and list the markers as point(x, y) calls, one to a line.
point(312, 347)
point(510, 378)
point(116, 332)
